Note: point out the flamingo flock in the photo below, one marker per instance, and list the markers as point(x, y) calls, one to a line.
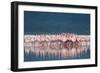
point(63, 45)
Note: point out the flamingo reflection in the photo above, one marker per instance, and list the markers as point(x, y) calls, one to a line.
point(62, 45)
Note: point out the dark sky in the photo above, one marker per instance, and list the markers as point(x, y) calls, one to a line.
point(51, 22)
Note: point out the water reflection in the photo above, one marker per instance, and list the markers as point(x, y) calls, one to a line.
point(54, 49)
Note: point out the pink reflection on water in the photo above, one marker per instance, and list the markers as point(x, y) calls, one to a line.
point(62, 45)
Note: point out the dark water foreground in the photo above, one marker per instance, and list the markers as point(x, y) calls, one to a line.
point(47, 57)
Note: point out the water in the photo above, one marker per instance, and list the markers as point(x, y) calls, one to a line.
point(32, 56)
point(54, 23)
